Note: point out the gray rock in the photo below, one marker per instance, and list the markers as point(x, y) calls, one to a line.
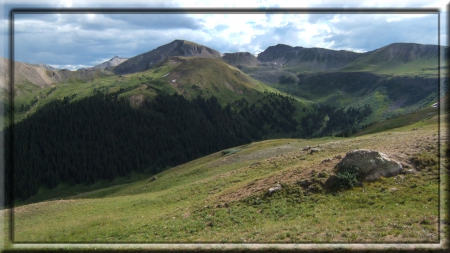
point(304, 183)
point(314, 150)
point(372, 164)
point(274, 188)
point(326, 160)
point(410, 171)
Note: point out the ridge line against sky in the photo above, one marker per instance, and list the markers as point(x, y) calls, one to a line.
point(74, 41)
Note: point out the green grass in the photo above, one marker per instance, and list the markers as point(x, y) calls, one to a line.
point(145, 83)
point(376, 63)
point(222, 198)
point(194, 77)
point(64, 190)
point(400, 121)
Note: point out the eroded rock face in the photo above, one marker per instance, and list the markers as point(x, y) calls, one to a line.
point(372, 164)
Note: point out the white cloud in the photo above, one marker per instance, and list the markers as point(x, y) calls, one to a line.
point(65, 3)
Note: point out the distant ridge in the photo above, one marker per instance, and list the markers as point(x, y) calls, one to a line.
point(308, 59)
point(45, 66)
point(116, 60)
point(149, 59)
point(391, 56)
point(240, 58)
point(270, 66)
point(396, 55)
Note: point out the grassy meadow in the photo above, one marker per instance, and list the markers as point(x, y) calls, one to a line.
point(222, 198)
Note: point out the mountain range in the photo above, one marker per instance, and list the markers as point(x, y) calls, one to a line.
point(184, 144)
point(396, 79)
point(279, 59)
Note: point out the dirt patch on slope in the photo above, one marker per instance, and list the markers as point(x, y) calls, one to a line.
point(137, 100)
point(290, 176)
point(294, 165)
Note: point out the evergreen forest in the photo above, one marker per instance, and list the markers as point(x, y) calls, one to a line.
point(102, 137)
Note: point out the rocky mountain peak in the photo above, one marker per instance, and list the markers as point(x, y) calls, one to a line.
point(116, 60)
point(149, 59)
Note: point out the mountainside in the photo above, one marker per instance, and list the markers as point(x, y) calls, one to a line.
point(188, 76)
point(162, 132)
point(224, 198)
point(395, 79)
point(116, 60)
point(85, 115)
point(402, 59)
point(45, 66)
point(31, 78)
point(191, 76)
point(209, 136)
point(307, 59)
point(150, 59)
point(227, 148)
point(240, 58)
point(388, 96)
point(24, 73)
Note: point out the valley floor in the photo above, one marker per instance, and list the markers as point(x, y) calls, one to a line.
point(222, 198)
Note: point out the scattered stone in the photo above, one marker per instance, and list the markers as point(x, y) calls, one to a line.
point(314, 150)
point(371, 164)
point(274, 188)
point(304, 183)
point(153, 178)
point(315, 188)
point(393, 189)
point(306, 148)
point(326, 160)
point(224, 205)
point(410, 171)
point(405, 165)
point(255, 163)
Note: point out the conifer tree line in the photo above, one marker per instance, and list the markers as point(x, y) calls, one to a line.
point(330, 121)
point(102, 137)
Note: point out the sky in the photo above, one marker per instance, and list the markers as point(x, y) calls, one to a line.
point(67, 39)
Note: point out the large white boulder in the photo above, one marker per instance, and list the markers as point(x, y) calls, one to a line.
point(372, 164)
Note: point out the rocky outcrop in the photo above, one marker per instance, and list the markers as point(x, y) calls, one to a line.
point(371, 164)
